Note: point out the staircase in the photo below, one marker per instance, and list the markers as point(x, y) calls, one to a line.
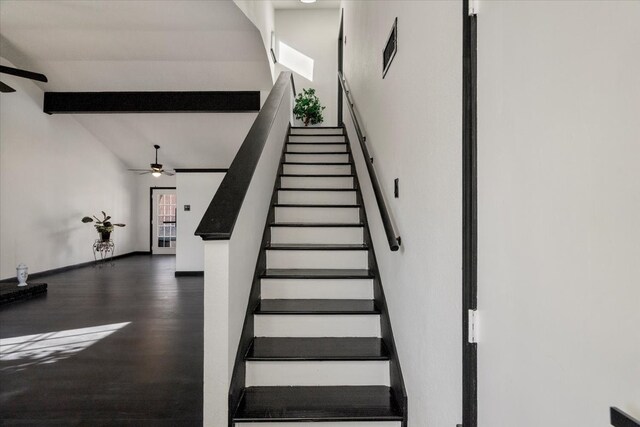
point(318, 353)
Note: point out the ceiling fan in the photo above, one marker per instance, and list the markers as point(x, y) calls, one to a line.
point(156, 168)
point(20, 73)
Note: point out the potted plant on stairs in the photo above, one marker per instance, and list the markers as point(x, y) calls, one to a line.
point(104, 226)
point(308, 108)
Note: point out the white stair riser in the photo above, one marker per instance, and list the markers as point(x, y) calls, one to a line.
point(316, 130)
point(317, 325)
point(317, 169)
point(317, 373)
point(313, 148)
point(316, 288)
point(328, 235)
point(326, 424)
point(317, 158)
point(320, 215)
point(316, 182)
point(317, 197)
point(316, 259)
point(316, 138)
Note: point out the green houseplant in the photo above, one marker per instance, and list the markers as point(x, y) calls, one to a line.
point(104, 226)
point(308, 108)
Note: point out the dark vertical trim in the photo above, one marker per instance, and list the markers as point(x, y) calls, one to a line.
point(469, 215)
point(340, 65)
point(151, 213)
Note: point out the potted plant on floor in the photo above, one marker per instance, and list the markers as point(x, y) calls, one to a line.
point(104, 226)
point(308, 108)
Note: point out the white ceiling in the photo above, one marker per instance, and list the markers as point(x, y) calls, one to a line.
point(297, 4)
point(142, 45)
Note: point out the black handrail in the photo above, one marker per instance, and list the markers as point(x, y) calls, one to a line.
point(221, 215)
point(621, 419)
point(392, 237)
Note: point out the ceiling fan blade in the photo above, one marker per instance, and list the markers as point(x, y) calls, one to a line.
point(168, 173)
point(23, 73)
point(5, 88)
point(144, 173)
point(139, 170)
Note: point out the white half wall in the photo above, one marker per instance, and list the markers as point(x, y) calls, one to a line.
point(412, 120)
point(558, 212)
point(314, 34)
point(229, 269)
point(53, 172)
point(195, 189)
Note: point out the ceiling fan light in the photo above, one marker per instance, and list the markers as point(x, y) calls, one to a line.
point(308, 1)
point(156, 174)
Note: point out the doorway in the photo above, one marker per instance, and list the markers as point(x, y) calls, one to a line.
point(163, 221)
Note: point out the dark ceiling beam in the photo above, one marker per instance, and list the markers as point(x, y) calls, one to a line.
point(151, 102)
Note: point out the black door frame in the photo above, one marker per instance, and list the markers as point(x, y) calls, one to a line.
point(340, 64)
point(469, 215)
point(151, 190)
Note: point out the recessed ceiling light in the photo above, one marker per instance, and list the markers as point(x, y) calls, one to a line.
point(308, 1)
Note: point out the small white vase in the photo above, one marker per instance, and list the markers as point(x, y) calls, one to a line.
point(22, 272)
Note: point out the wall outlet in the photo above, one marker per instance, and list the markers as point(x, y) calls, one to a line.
point(187, 208)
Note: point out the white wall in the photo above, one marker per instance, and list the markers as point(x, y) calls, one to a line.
point(195, 189)
point(261, 14)
point(559, 209)
point(52, 173)
point(412, 120)
point(313, 33)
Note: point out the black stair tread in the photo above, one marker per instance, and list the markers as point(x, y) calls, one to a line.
point(314, 189)
point(318, 163)
point(316, 306)
point(317, 127)
point(326, 403)
point(315, 224)
point(307, 175)
point(317, 246)
point(316, 134)
point(317, 273)
point(288, 205)
point(316, 142)
point(319, 152)
point(332, 153)
point(270, 348)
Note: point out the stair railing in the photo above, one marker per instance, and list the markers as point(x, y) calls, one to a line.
point(621, 419)
point(392, 237)
point(220, 218)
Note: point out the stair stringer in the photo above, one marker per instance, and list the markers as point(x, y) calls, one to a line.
point(397, 380)
point(238, 377)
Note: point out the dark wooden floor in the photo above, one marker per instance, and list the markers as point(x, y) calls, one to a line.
point(147, 372)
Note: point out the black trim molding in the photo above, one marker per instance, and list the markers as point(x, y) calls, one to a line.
point(151, 102)
point(201, 170)
point(41, 274)
point(189, 274)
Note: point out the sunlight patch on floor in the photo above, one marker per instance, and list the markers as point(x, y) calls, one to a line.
point(50, 347)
